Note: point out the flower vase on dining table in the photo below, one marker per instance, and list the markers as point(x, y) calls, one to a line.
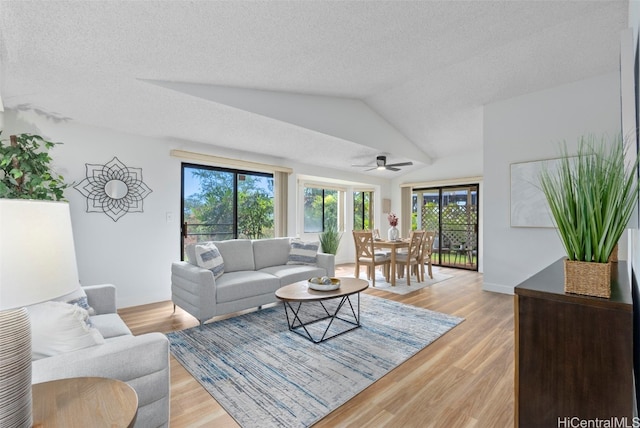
point(393, 234)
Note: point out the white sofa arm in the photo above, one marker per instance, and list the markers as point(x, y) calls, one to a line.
point(102, 298)
point(327, 261)
point(141, 361)
point(194, 290)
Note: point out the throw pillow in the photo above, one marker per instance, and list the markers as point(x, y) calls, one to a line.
point(77, 297)
point(208, 257)
point(58, 327)
point(303, 253)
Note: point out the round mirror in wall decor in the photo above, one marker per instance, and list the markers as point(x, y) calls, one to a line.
point(113, 189)
point(116, 189)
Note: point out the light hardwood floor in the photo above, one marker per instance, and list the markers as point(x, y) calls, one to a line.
point(463, 379)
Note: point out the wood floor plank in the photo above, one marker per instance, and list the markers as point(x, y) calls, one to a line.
point(463, 379)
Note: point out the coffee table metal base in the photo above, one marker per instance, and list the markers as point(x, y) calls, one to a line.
point(297, 326)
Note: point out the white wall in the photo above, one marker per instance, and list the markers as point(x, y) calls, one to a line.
point(135, 253)
point(530, 128)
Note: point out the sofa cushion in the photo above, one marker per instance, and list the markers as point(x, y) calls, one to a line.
point(288, 274)
point(208, 257)
point(190, 253)
point(239, 285)
point(237, 254)
point(303, 253)
point(58, 327)
point(77, 297)
point(270, 252)
point(110, 325)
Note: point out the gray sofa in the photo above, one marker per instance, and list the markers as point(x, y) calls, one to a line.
point(253, 271)
point(140, 361)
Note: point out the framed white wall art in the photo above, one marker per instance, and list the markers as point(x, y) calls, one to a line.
point(529, 207)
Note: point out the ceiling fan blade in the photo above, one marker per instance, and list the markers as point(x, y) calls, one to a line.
point(401, 164)
point(381, 163)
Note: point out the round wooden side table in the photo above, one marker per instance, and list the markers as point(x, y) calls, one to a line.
point(84, 402)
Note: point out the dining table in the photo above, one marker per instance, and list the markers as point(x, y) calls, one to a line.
point(393, 246)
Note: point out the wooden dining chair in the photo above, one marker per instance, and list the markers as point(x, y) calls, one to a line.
point(425, 254)
point(366, 255)
point(412, 256)
point(376, 234)
point(380, 251)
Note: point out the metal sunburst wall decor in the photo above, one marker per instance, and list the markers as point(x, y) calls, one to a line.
point(113, 188)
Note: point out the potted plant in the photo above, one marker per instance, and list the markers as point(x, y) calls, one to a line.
point(591, 196)
point(330, 239)
point(25, 171)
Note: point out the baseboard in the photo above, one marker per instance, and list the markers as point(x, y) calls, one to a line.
point(343, 261)
point(498, 288)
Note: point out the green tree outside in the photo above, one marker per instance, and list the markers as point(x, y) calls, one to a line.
point(212, 207)
point(319, 204)
point(361, 210)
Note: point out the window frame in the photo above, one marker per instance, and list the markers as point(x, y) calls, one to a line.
point(237, 172)
point(370, 210)
point(340, 200)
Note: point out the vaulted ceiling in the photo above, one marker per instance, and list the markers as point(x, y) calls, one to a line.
point(300, 80)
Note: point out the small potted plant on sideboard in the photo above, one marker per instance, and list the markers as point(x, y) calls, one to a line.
point(591, 195)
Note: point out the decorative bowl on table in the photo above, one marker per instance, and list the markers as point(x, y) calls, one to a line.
point(324, 283)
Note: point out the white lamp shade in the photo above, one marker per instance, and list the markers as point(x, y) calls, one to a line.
point(37, 253)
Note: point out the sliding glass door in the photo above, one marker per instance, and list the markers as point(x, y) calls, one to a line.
point(452, 212)
point(219, 203)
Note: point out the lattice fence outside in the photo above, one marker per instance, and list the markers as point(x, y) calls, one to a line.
point(430, 217)
point(458, 223)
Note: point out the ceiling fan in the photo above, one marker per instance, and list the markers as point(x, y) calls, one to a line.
point(381, 165)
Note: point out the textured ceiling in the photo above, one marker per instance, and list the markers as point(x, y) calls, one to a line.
point(423, 69)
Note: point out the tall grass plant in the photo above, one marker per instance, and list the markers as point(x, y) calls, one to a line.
point(330, 239)
point(592, 196)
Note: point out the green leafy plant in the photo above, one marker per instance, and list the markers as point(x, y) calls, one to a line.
point(25, 171)
point(591, 196)
point(330, 239)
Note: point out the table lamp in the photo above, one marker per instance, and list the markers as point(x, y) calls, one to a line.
point(37, 263)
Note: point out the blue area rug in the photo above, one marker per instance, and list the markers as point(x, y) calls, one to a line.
point(266, 376)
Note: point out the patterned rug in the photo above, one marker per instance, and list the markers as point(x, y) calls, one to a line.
point(266, 376)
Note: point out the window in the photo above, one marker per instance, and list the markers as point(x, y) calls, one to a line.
point(362, 210)
point(321, 208)
point(220, 203)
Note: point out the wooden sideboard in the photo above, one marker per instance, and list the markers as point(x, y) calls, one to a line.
point(574, 354)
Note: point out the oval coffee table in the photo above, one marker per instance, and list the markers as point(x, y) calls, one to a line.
point(298, 295)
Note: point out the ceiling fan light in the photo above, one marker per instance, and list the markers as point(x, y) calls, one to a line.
point(381, 168)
